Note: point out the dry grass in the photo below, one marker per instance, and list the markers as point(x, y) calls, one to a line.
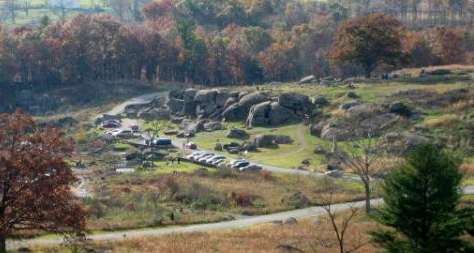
point(443, 121)
point(461, 106)
point(308, 235)
point(454, 68)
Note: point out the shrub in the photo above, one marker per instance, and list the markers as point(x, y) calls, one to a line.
point(199, 197)
point(168, 185)
point(267, 176)
point(242, 199)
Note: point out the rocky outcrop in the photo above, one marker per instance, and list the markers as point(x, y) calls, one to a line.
point(397, 142)
point(240, 110)
point(155, 114)
point(256, 108)
point(264, 141)
point(359, 120)
point(270, 114)
point(299, 104)
point(271, 141)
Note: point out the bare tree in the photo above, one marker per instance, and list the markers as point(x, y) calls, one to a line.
point(366, 160)
point(341, 223)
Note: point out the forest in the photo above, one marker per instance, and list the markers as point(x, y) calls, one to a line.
point(215, 42)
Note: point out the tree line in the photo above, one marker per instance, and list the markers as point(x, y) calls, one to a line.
point(214, 42)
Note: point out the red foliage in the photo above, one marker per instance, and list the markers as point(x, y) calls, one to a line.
point(368, 41)
point(241, 199)
point(35, 179)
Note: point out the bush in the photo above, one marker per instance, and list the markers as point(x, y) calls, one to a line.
point(199, 197)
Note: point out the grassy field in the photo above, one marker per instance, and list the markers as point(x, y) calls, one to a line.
point(187, 194)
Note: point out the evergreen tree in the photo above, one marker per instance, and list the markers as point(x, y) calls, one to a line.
point(421, 205)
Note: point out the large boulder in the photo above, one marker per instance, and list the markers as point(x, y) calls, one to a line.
point(295, 102)
point(280, 115)
point(205, 96)
point(400, 108)
point(258, 115)
point(264, 141)
point(409, 140)
point(239, 111)
point(213, 126)
point(221, 98)
point(282, 139)
point(176, 106)
point(235, 112)
point(193, 126)
point(155, 114)
point(206, 110)
point(189, 95)
point(270, 114)
point(320, 102)
point(251, 99)
point(238, 133)
point(176, 93)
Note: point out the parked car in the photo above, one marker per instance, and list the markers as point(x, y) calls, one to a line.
point(204, 158)
point(240, 164)
point(334, 173)
point(218, 161)
point(214, 158)
point(134, 128)
point(191, 145)
point(251, 167)
point(161, 142)
point(191, 156)
point(111, 124)
point(234, 162)
point(197, 157)
point(123, 133)
point(111, 132)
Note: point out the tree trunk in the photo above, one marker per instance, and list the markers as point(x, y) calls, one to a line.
point(3, 244)
point(367, 197)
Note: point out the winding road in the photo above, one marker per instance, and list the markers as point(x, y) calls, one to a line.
point(234, 224)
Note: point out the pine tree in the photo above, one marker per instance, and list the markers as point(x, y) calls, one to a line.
point(421, 205)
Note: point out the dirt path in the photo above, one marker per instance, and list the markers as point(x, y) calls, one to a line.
point(302, 142)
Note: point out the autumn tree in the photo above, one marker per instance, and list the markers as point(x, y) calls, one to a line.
point(368, 42)
point(35, 180)
point(418, 49)
point(447, 45)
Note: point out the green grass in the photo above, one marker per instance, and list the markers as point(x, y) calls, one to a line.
point(468, 181)
point(122, 147)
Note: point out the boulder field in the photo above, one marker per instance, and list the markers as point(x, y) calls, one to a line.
point(255, 108)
